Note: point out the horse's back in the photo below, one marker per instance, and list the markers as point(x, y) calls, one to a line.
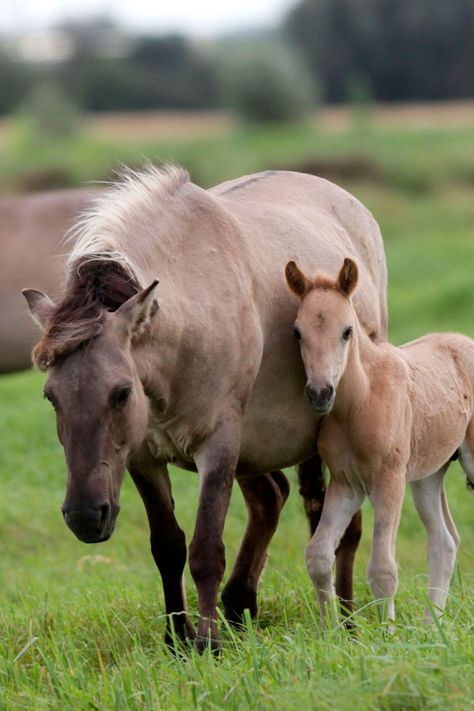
point(294, 216)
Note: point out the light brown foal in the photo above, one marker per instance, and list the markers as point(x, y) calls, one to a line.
point(392, 416)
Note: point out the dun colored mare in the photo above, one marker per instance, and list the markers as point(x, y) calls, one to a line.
point(32, 228)
point(391, 416)
point(202, 371)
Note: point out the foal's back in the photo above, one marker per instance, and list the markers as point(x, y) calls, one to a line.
point(441, 392)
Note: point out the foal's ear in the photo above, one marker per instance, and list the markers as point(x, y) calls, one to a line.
point(348, 276)
point(41, 307)
point(297, 281)
point(137, 312)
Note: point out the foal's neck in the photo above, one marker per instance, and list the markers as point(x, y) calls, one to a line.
point(354, 387)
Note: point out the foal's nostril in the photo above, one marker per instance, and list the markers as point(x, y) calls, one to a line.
point(104, 516)
point(328, 392)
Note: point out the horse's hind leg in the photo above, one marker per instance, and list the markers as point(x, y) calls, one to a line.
point(313, 489)
point(430, 501)
point(264, 497)
point(345, 555)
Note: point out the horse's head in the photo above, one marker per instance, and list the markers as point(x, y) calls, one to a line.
point(101, 408)
point(324, 325)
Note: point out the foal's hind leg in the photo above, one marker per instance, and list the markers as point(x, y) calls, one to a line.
point(264, 497)
point(313, 490)
point(430, 501)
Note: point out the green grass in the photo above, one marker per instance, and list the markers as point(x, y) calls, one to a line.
point(417, 161)
point(81, 627)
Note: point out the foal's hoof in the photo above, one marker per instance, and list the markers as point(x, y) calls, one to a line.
point(201, 644)
point(237, 599)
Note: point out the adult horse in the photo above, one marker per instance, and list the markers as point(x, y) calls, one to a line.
point(31, 230)
point(209, 376)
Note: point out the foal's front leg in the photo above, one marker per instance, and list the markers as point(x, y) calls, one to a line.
point(216, 462)
point(340, 505)
point(387, 500)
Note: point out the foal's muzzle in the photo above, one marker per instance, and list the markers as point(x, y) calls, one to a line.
point(321, 399)
point(91, 524)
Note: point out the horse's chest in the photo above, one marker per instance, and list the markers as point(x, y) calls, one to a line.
point(168, 444)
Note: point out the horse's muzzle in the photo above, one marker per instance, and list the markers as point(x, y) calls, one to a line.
point(91, 524)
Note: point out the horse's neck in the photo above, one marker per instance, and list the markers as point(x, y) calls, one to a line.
point(354, 386)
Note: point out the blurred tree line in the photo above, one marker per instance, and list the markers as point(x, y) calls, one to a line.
point(342, 50)
point(395, 49)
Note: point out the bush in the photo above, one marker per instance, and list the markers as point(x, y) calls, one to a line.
point(49, 113)
point(269, 85)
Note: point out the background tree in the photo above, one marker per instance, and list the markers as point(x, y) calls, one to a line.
point(402, 49)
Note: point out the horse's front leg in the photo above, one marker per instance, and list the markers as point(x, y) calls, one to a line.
point(264, 497)
point(167, 540)
point(216, 462)
point(340, 505)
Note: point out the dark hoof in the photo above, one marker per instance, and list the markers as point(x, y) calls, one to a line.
point(236, 599)
point(201, 644)
point(178, 631)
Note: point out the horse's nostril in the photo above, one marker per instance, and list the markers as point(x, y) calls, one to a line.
point(104, 515)
point(329, 391)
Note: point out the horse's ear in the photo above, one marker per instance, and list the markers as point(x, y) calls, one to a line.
point(41, 307)
point(137, 312)
point(348, 276)
point(297, 281)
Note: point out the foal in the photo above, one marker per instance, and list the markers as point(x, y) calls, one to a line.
point(391, 416)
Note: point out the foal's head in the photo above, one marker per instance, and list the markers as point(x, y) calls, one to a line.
point(101, 408)
point(324, 326)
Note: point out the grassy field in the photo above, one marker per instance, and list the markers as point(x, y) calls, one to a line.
point(81, 626)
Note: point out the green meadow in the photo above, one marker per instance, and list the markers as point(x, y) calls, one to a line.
point(81, 627)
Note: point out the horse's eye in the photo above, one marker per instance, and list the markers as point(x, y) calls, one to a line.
point(50, 399)
point(347, 333)
point(297, 333)
point(120, 397)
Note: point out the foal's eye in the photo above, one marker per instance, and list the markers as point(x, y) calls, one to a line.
point(347, 333)
point(297, 333)
point(120, 397)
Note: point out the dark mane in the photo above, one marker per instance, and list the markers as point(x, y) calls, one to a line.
point(96, 285)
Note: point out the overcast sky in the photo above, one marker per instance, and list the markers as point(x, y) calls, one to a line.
point(198, 17)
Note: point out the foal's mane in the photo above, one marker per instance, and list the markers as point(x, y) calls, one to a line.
point(101, 273)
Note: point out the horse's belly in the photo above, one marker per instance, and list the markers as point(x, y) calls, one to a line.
point(277, 433)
